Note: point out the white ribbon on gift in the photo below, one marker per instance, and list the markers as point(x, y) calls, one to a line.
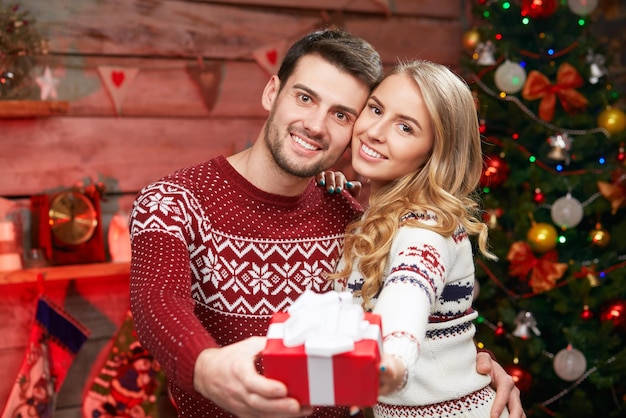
point(327, 324)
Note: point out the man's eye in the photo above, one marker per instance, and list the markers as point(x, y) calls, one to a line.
point(344, 117)
point(304, 98)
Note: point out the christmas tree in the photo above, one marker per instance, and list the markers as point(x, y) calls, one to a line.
point(553, 307)
point(20, 45)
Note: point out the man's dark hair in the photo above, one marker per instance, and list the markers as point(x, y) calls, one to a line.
point(340, 48)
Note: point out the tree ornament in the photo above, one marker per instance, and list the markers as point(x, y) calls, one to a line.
point(612, 119)
point(599, 236)
point(538, 196)
point(525, 322)
point(510, 77)
point(538, 8)
point(588, 273)
point(582, 7)
point(522, 378)
point(567, 212)
point(597, 68)
point(544, 272)
point(499, 331)
point(482, 125)
point(470, 40)
point(569, 364)
point(491, 216)
point(484, 54)
point(567, 80)
point(615, 311)
point(495, 171)
point(614, 192)
point(561, 144)
point(621, 156)
point(542, 237)
point(586, 314)
point(592, 278)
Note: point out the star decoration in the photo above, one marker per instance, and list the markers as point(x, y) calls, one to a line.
point(614, 192)
point(47, 84)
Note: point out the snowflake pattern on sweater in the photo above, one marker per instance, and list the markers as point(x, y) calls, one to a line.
point(214, 257)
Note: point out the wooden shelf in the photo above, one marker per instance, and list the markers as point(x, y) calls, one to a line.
point(15, 109)
point(76, 271)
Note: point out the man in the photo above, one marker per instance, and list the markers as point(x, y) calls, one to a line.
point(220, 246)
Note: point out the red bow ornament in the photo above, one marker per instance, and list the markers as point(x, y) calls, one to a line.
point(567, 79)
point(544, 271)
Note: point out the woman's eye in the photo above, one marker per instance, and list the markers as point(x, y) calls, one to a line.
point(376, 110)
point(406, 128)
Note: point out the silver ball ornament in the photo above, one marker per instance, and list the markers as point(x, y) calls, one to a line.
point(567, 212)
point(569, 364)
point(510, 77)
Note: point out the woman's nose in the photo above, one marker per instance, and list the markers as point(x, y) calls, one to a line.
point(376, 131)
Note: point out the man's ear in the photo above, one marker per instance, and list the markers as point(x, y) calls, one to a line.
point(270, 92)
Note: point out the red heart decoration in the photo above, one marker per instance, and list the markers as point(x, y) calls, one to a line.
point(272, 56)
point(117, 77)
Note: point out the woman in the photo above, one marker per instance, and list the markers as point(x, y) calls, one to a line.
point(409, 258)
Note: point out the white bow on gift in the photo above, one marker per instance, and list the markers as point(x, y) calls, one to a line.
point(326, 323)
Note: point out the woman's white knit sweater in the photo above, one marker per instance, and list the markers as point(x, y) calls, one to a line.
point(427, 316)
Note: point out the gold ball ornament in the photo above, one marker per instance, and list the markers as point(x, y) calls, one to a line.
point(542, 237)
point(612, 119)
point(599, 237)
point(470, 40)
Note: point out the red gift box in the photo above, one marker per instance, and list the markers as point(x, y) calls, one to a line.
point(345, 379)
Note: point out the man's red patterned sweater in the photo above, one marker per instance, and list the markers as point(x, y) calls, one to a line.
point(214, 257)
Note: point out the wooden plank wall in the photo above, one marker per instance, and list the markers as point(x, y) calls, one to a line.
point(165, 121)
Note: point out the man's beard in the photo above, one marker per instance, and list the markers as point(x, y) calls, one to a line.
point(276, 148)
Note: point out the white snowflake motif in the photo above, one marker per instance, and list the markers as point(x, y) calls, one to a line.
point(160, 203)
point(211, 269)
point(313, 276)
point(261, 279)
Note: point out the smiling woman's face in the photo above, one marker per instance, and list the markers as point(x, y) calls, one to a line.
point(393, 135)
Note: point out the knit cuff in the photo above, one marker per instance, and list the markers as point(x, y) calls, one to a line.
point(405, 377)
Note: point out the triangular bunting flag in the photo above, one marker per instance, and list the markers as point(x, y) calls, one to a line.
point(127, 382)
point(117, 81)
point(208, 77)
point(55, 339)
point(385, 4)
point(270, 57)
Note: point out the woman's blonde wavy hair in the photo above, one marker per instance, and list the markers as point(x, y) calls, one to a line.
point(445, 185)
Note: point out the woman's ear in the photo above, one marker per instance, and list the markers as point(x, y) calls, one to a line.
point(270, 92)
